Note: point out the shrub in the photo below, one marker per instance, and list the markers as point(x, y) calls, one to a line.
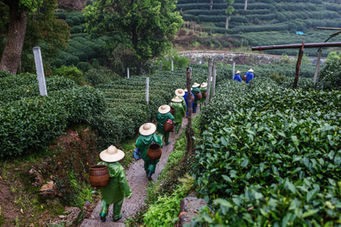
point(72, 73)
point(30, 123)
point(330, 75)
point(100, 75)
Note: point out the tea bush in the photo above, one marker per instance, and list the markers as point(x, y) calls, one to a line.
point(270, 156)
point(30, 121)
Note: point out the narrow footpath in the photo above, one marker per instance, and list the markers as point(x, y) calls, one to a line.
point(138, 182)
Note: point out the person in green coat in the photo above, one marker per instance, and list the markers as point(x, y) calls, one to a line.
point(117, 188)
point(162, 116)
point(195, 90)
point(176, 103)
point(203, 88)
point(147, 136)
point(180, 93)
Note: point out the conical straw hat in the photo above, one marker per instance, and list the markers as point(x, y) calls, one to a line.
point(250, 70)
point(164, 109)
point(238, 72)
point(204, 84)
point(179, 92)
point(111, 154)
point(147, 129)
point(176, 99)
point(195, 85)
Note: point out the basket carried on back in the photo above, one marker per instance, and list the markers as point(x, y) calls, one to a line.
point(154, 151)
point(168, 126)
point(198, 96)
point(204, 94)
point(99, 176)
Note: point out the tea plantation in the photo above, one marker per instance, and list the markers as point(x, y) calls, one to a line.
point(270, 156)
point(266, 22)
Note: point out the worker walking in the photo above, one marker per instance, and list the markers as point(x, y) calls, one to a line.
point(117, 187)
point(162, 116)
point(249, 76)
point(176, 103)
point(237, 77)
point(196, 91)
point(181, 93)
point(146, 138)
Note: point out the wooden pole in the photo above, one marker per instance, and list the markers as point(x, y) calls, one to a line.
point(328, 28)
point(317, 66)
point(209, 81)
point(297, 45)
point(298, 65)
point(189, 131)
point(214, 78)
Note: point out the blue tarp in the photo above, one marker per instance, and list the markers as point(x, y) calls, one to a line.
point(299, 33)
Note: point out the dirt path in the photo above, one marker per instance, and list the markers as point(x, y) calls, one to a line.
point(138, 182)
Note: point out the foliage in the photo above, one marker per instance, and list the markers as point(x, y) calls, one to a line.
point(270, 155)
point(30, 121)
point(144, 27)
point(72, 73)
point(330, 75)
point(166, 209)
point(100, 76)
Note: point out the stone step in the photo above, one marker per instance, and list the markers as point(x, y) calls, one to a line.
point(97, 223)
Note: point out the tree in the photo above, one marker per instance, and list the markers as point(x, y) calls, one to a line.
point(145, 27)
point(11, 55)
point(229, 11)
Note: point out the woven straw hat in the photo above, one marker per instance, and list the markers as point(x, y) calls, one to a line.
point(179, 92)
point(196, 85)
point(185, 90)
point(164, 109)
point(204, 84)
point(250, 70)
point(111, 154)
point(147, 129)
point(176, 99)
point(238, 72)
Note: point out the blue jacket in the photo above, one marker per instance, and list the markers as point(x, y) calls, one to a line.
point(237, 78)
point(249, 76)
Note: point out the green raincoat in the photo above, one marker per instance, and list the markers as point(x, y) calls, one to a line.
point(195, 91)
point(179, 114)
point(161, 119)
point(142, 143)
point(183, 103)
point(116, 189)
point(203, 100)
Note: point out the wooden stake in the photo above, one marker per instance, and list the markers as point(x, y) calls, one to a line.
point(189, 131)
point(317, 67)
point(214, 79)
point(209, 81)
point(298, 65)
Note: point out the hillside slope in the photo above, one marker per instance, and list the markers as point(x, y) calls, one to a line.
point(266, 21)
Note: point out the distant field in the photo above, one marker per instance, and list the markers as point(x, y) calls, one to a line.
point(266, 22)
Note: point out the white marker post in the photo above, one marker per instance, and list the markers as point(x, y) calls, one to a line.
point(214, 78)
point(128, 73)
point(234, 69)
point(40, 70)
point(209, 81)
point(147, 90)
point(172, 65)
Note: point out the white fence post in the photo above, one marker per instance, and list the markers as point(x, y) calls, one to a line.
point(172, 65)
point(128, 73)
point(40, 70)
point(209, 81)
point(147, 90)
point(234, 69)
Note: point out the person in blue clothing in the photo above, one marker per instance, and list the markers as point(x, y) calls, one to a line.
point(237, 77)
point(249, 76)
point(185, 97)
